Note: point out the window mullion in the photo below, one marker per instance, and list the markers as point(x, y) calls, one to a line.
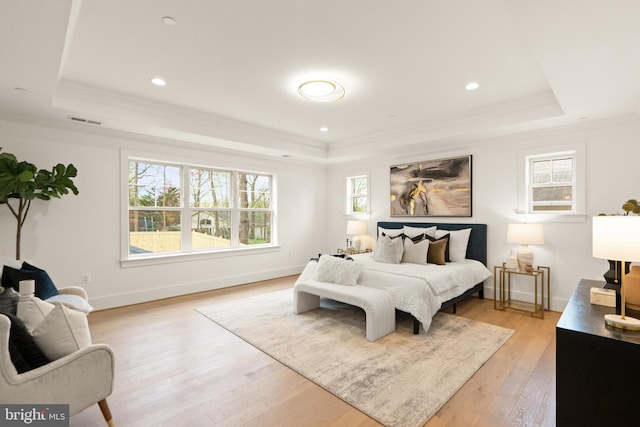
point(185, 209)
point(235, 212)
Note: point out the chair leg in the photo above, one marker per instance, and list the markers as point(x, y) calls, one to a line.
point(106, 412)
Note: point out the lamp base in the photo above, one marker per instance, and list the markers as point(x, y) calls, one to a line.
point(626, 323)
point(525, 257)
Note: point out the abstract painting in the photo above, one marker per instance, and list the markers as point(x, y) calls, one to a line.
point(432, 188)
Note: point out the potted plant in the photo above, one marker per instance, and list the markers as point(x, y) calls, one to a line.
point(22, 182)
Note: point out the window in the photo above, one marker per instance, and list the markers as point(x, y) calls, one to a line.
point(551, 182)
point(357, 194)
point(182, 208)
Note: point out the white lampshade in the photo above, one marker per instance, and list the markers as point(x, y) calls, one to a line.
point(355, 227)
point(525, 234)
point(616, 238)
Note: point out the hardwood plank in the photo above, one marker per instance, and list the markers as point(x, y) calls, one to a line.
point(176, 368)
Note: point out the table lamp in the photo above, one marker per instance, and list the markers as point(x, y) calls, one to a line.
point(355, 228)
point(618, 238)
point(525, 235)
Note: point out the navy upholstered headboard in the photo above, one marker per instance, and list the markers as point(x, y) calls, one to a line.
point(477, 247)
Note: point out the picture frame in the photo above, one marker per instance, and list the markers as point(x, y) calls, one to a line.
point(439, 187)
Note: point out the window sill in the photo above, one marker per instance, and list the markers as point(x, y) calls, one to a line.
point(550, 217)
point(157, 259)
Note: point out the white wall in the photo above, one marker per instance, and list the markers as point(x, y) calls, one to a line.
point(612, 153)
point(81, 234)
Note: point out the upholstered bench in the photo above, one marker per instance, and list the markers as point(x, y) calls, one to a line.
point(377, 303)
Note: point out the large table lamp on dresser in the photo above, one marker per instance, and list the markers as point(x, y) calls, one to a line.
point(618, 238)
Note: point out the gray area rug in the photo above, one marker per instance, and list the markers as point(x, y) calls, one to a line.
point(399, 380)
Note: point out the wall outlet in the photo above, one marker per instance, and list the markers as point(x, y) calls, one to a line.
point(86, 278)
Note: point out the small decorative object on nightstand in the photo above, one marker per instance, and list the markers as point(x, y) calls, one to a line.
point(502, 289)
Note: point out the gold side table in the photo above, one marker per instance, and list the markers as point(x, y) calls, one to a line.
point(502, 290)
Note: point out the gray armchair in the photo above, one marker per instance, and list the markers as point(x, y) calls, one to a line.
point(80, 379)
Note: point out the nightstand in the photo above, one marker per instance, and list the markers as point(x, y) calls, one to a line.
point(540, 277)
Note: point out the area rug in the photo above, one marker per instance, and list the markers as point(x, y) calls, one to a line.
point(400, 380)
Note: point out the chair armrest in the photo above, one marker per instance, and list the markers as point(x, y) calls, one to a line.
point(79, 379)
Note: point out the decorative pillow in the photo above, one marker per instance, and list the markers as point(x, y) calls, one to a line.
point(23, 350)
point(33, 311)
point(391, 232)
point(446, 248)
point(72, 301)
point(458, 241)
point(415, 252)
point(44, 286)
point(388, 250)
point(62, 332)
point(436, 253)
point(411, 232)
point(337, 270)
point(10, 261)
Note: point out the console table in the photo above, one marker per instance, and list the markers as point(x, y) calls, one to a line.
point(597, 366)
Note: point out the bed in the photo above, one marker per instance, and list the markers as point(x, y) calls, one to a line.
point(424, 289)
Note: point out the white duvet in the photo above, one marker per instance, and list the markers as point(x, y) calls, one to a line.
point(419, 289)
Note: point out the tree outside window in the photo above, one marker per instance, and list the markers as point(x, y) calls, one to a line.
point(217, 220)
point(357, 194)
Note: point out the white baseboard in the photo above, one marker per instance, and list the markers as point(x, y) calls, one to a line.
point(557, 304)
point(146, 295)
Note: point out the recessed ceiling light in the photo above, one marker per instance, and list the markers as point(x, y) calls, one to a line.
point(471, 86)
point(158, 81)
point(169, 21)
point(321, 90)
point(324, 129)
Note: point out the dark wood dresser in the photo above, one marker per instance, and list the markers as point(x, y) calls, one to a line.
point(597, 366)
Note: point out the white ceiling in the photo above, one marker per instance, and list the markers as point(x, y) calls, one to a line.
point(233, 68)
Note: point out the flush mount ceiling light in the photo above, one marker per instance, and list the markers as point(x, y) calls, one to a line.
point(472, 86)
point(169, 21)
point(321, 90)
point(158, 81)
point(324, 129)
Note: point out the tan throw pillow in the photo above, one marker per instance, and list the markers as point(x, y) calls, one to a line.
point(62, 332)
point(33, 311)
point(435, 255)
point(415, 253)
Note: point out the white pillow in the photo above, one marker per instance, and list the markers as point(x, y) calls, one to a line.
point(391, 232)
point(33, 311)
point(337, 270)
point(62, 332)
point(388, 250)
point(458, 241)
point(415, 253)
point(416, 231)
point(72, 301)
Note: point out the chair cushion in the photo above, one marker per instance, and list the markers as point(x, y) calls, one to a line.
point(62, 332)
point(23, 350)
point(44, 285)
point(33, 311)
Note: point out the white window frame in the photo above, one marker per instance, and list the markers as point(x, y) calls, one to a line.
point(525, 210)
point(349, 213)
point(129, 260)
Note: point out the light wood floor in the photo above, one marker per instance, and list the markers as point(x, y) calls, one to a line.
point(174, 367)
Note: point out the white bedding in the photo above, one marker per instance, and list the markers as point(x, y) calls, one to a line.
point(419, 289)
